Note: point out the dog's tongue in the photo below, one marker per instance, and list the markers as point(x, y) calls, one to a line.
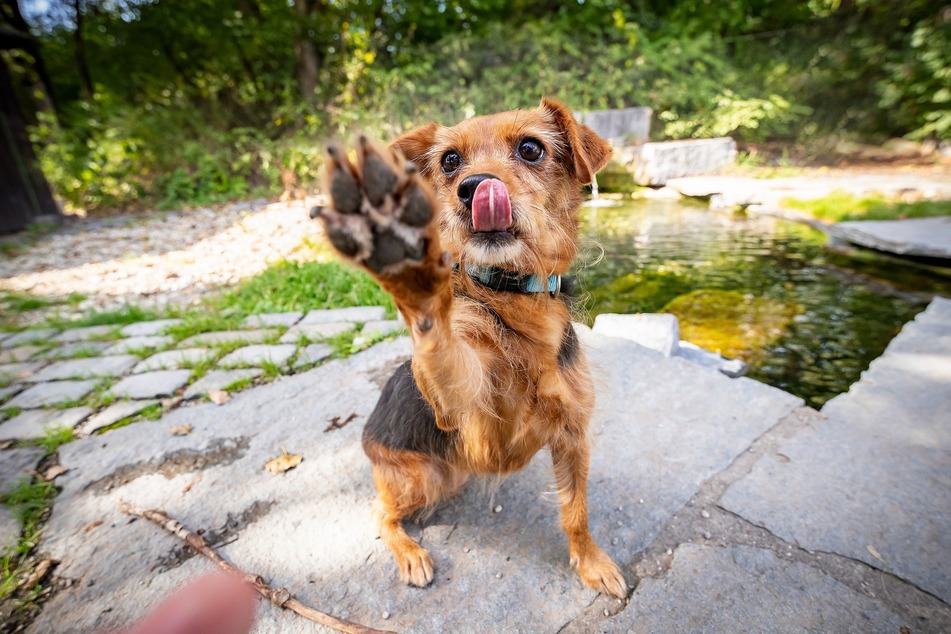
point(491, 207)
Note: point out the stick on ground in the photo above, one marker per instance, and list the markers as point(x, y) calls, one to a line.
point(280, 597)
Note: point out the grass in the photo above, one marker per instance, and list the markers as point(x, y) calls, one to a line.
point(128, 314)
point(30, 501)
point(238, 385)
point(11, 412)
point(290, 286)
point(52, 439)
point(840, 206)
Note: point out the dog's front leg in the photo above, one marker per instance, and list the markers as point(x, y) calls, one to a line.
point(570, 456)
point(382, 217)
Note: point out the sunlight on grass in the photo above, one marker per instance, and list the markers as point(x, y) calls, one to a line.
point(840, 206)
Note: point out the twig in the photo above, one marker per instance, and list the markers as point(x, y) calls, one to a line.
point(280, 597)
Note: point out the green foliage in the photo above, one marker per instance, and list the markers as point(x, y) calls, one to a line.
point(195, 102)
point(840, 206)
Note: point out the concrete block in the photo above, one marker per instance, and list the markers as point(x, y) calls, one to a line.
point(656, 163)
point(619, 126)
point(657, 331)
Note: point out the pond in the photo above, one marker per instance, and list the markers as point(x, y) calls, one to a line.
point(806, 318)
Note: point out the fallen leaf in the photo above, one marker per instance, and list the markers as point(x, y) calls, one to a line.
point(875, 554)
point(39, 573)
point(218, 397)
point(169, 403)
point(283, 463)
point(54, 472)
point(92, 525)
point(6, 444)
point(194, 481)
point(180, 430)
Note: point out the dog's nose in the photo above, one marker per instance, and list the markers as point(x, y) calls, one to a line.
point(468, 186)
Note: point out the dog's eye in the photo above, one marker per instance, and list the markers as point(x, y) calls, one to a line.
point(531, 150)
point(451, 162)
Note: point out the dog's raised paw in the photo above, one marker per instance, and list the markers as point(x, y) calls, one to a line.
point(380, 212)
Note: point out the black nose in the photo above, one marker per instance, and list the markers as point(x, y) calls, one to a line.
point(468, 186)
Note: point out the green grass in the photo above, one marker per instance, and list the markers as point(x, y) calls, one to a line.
point(840, 206)
point(128, 314)
point(195, 322)
point(22, 303)
point(30, 501)
point(11, 412)
point(238, 385)
point(52, 439)
point(289, 286)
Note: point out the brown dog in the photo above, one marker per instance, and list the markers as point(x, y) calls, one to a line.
point(471, 238)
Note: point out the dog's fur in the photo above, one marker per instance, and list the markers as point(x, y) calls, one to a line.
point(495, 375)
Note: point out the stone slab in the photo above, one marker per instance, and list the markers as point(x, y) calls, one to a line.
point(229, 336)
point(873, 481)
point(75, 349)
point(84, 334)
point(656, 163)
point(175, 359)
point(923, 237)
point(139, 343)
point(85, 368)
point(310, 529)
point(16, 464)
point(620, 125)
point(269, 320)
point(112, 414)
point(34, 423)
point(150, 384)
point(256, 355)
point(219, 380)
point(38, 335)
point(18, 354)
point(316, 331)
point(657, 331)
point(20, 371)
point(9, 529)
point(149, 328)
point(358, 314)
point(313, 353)
point(10, 390)
point(382, 327)
point(746, 589)
point(695, 354)
point(52, 393)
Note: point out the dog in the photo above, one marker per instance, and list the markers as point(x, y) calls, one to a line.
point(470, 229)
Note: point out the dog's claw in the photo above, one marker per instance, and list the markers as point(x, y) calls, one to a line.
point(378, 179)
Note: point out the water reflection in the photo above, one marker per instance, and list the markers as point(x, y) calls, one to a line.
point(846, 309)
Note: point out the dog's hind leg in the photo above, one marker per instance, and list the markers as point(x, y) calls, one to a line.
point(406, 482)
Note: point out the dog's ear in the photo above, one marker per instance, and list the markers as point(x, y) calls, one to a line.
point(416, 144)
point(589, 152)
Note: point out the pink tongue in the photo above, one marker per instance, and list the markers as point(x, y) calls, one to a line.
point(491, 207)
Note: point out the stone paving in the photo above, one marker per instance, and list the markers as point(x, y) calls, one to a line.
point(729, 505)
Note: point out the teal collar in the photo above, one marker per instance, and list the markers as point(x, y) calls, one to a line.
point(502, 280)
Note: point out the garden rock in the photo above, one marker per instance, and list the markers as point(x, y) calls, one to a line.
point(219, 380)
point(312, 354)
point(657, 331)
point(15, 466)
point(35, 423)
point(40, 335)
point(113, 414)
point(358, 314)
point(52, 393)
point(83, 368)
point(656, 163)
point(318, 331)
point(19, 354)
point(84, 334)
point(228, 337)
point(150, 384)
point(175, 359)
point(257, 355)
point(149, 328)
point(139, 343)
point(270, 320)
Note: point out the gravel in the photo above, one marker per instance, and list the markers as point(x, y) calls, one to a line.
point(158, 259)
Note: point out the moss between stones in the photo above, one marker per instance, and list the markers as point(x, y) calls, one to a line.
point(737, 325)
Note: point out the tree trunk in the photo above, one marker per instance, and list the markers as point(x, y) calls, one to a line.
point(24, 193)
point(308, 62)
point(85, 78)
point(26, 42)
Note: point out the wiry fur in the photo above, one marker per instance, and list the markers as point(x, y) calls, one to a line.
point(500, 373)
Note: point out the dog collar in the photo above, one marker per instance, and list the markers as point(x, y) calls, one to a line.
point(502, 280)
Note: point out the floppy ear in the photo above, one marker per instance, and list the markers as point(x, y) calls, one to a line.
point(416, 144)
point(589, 152)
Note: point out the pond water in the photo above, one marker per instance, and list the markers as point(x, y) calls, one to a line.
point(806, 318)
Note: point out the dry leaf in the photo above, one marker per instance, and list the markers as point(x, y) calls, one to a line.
point(188, 487)
point(875, 554)
point(283, 463)
point(169, 403)
point(6, 444)
point(39, 573)
point(218, 397)
point(180, 430)
point(92, 525)
point(54, 472)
